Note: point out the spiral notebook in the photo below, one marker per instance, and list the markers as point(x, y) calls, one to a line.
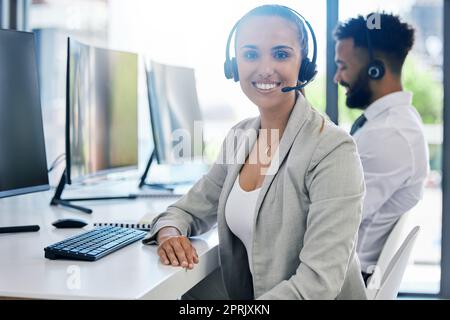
point(143, 224)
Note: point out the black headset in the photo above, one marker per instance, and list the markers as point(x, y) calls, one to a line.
point(308, 69)
point(375, 69)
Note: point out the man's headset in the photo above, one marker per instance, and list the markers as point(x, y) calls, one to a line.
point(375, 69)
point(308, 69)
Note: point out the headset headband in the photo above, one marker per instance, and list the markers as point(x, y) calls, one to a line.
point(369, 44)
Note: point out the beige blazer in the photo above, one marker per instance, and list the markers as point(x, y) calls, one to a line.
point(307, 214)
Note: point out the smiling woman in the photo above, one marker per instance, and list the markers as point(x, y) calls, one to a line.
point(268, 58)
point(287, 189)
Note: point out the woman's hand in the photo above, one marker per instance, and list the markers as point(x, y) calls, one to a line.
point(175, 249)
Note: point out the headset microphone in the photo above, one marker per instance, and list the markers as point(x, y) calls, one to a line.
point(289, 89)
point(299, 87)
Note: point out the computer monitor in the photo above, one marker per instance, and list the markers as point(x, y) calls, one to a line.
point(102, 111)
point(23, 163)
point(173, 104)
point(175, 115)
point(101, 116)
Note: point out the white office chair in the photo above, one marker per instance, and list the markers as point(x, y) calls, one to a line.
point(393, 242)
point(391, 276)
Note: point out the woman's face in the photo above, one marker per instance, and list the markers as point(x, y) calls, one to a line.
point(268, 57)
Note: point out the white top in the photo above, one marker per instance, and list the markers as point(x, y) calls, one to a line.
point(240, 215)
point(394, 156)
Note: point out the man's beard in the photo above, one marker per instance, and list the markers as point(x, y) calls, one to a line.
point(359, 96)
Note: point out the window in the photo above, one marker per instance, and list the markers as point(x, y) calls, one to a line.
point(422, 74)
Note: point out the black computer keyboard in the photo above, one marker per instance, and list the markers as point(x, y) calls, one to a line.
point(93, 245)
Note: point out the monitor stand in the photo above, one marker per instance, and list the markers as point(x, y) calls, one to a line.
point(56, 200)
point(158, 186)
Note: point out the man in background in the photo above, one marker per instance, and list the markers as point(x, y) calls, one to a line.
point(389, 134)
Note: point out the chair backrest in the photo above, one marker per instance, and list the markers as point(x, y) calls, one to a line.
point(387, 288)
point(393, 242)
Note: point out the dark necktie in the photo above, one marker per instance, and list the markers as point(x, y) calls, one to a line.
point(358, 124)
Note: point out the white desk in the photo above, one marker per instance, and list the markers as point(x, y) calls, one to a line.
point(133, 272)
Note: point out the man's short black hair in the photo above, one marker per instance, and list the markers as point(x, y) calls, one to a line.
point(393, 38)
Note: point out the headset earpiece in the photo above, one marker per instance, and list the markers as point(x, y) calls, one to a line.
point(231, 70)
point(227, 69)
point(307, 71)
point(375, 70)
point(234, 67)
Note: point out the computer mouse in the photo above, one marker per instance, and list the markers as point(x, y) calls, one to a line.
point(69, 223)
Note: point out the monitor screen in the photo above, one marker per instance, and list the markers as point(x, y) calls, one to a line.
point(23, 164)
point(101, 111)
point(175, 113)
